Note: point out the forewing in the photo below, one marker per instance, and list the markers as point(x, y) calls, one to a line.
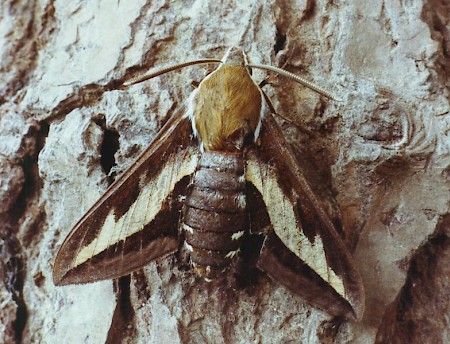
point(302, 250)
point(136, 220)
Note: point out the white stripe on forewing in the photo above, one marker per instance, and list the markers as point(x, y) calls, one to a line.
point(286, 226)
point(144, 209)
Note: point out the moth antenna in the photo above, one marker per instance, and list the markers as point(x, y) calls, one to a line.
point(153, 73)
point(296, 78)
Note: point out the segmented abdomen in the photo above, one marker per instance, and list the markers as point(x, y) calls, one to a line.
point(214, 217)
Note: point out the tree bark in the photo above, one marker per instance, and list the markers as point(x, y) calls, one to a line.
point(379, 159)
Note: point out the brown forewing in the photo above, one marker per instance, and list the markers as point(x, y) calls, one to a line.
point(157, 238)
point(276, 259)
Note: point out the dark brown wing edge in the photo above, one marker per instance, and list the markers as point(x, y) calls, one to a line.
point(94, 250)
point(277, 167)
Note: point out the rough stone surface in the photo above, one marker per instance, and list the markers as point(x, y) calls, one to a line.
point(379, 158)
point(420, 311)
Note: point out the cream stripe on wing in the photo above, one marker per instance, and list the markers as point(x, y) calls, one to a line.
point(286, 226)
point(147, 205)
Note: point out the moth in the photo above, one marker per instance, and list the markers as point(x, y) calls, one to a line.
point(218, 170)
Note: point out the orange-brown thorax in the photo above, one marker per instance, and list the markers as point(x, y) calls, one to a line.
point(226, 107)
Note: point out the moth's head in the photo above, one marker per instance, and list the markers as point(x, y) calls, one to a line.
point(235, 56)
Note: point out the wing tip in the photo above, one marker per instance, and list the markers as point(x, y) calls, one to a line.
point(282, 266)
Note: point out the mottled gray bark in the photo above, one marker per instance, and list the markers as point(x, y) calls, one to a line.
point(381, 156)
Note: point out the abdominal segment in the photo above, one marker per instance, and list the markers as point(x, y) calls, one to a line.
point(214, 214)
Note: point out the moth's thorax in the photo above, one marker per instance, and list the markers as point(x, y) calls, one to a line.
point(226, 106)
